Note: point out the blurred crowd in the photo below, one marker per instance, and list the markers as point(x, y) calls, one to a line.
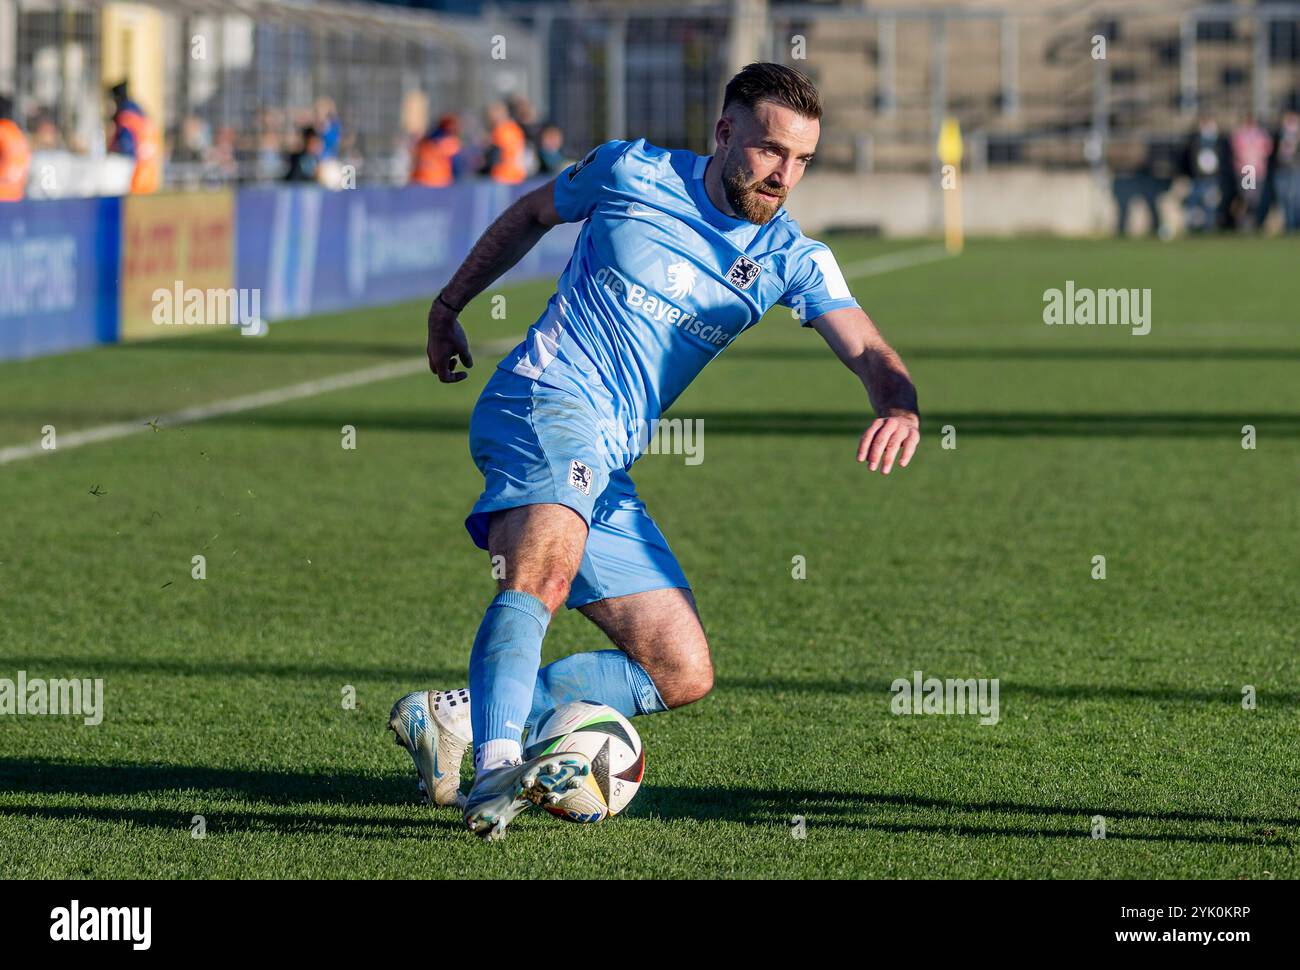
point(514, 145)
point(507, 143)
point(1237, 177)
point(1228, 179)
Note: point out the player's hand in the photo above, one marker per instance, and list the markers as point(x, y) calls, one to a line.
point(447, 345)
point(888, 438)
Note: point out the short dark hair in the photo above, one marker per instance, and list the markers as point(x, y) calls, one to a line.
point(776, 83)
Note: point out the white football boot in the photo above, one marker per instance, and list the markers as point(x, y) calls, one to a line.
point(434, 727)
point(499, 795)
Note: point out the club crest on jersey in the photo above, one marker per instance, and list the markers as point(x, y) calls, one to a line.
point(580, 476)
point(578, 168)
point(743, 272)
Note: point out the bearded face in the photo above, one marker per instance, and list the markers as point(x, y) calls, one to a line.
point(762, 154)
point(755, 200)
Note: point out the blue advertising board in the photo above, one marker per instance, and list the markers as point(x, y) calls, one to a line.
point(310, 251)
point(307, 250)
point(58, 275)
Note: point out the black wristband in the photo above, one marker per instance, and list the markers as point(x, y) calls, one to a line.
point(453, 309)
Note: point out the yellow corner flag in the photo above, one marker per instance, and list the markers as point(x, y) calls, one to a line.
point(949, 149)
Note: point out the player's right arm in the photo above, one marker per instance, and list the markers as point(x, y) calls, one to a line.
point(569, 197)
point(505, 242)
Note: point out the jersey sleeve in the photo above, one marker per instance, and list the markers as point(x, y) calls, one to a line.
point(816, 285)
point(577, 188)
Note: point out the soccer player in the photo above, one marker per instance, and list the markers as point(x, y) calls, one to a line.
point(679, 256)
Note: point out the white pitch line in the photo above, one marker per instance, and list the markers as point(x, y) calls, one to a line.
point(234, 405)
point(903, 259)
point(205, 412)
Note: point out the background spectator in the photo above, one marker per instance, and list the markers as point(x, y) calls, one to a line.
point(437, 155)
point(270, 148)
point(46, 136)
point(330, 166)
point(550, 150)
point(222, 163)
point(1206, 164)
point(304, 160)
point(525, 116)
point(193, 143)
point(1251, 147)
point(329, 126)
point(1142, 174)
point(134, 135)
point(1286, 170)
point(15, 155)
point(504, 156)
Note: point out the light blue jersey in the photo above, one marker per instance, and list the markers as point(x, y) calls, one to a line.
point(661, 281)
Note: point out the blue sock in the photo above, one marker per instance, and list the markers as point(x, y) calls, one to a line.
point(607, 676)
point(503, 666)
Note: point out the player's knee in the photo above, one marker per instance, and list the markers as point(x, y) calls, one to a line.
point(689, 682)
point(551, 587)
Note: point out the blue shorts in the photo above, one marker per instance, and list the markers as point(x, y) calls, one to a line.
point(537, 444)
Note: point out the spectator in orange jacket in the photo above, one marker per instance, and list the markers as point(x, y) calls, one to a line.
point(15, 156)
point(506, 148)
point(135, 136)
point(435, 158)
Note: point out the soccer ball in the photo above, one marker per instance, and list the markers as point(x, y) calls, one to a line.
point(609, 740)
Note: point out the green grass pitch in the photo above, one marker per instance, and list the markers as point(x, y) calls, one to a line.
point(328, 568)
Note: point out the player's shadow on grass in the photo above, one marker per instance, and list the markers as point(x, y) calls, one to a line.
point(280, 416)
point(198, 790)
point(415, 672)
point(413, 421)
point(812, 423)
point(1011, 689)
point(880, 812)
point(1071, 353)
point(1154, 424)
point(229, 799)
point(219, 819)
point(233, 343)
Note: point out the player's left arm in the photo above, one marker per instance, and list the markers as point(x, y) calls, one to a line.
point(897, 430)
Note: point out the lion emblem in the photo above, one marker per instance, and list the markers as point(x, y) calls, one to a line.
point(681, 279)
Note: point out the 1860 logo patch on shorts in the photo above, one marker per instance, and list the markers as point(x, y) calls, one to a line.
point(580, 477)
